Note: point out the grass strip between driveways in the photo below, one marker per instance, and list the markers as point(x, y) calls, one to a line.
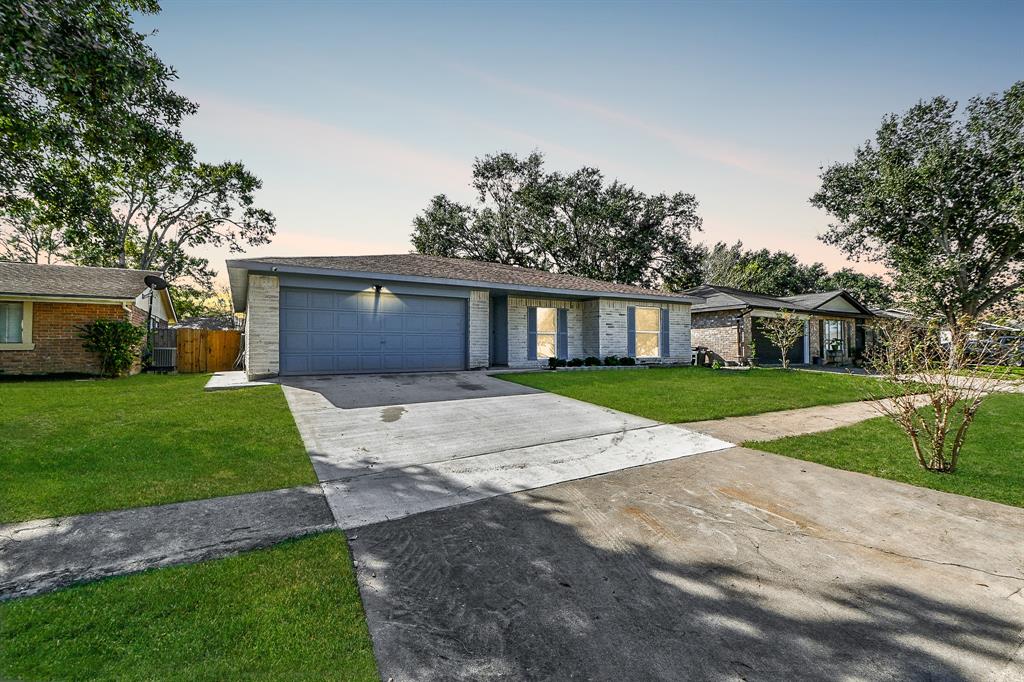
point(991, 465)
point(687, 394)
point(71, 447)
point(289, 612)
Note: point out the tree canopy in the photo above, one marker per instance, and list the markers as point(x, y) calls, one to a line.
point(574, 223)
point(938, 197)
point(780, 273)
point(95, 170)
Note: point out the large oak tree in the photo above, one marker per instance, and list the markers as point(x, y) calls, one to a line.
point(575, 223)
point(938, 197)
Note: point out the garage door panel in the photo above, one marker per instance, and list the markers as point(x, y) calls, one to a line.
point(329, 332)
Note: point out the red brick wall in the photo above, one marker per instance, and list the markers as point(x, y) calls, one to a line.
point(55, 333)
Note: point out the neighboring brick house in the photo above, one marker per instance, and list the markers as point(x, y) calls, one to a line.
point(411, 312)
point(43, 307)
point(728, 323)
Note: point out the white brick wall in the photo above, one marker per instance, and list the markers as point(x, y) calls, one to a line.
point(611, 331)
point(592, 328)
point(262, 322)
point(517, 328)
point(479, 328)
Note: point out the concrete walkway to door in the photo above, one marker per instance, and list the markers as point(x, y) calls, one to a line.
point(482, 436)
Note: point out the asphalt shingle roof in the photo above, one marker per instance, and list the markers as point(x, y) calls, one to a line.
point(420, 265)
point(75, 281)
point(727, 298)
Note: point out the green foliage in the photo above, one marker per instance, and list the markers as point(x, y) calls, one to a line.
point(780, 273)
point(575, 362)
point(556, 362)
point(611, 360)
point(591, 361)
point(627, 361)
point(938, 197)
point(573, 223)
point(716, 365)
point(117, 343)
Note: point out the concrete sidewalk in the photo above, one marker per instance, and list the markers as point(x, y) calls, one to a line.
point(774, 425)
point(46, 554)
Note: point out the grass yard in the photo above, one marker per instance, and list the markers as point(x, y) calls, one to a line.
point(686, 394)
point(290, 612)
point(991, 465)
point(71, 447)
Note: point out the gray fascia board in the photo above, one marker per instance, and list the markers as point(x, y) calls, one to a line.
point(257, 266)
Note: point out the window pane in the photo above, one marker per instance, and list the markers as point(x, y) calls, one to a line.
point(648, 319)
point(545, 346)
point(10, 322)
point(547, 320)
point(647, 345)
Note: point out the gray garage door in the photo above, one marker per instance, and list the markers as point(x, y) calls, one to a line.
point(768, 353)
point(329, 332)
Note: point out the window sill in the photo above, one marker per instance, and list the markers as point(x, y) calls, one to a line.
point(17, 346)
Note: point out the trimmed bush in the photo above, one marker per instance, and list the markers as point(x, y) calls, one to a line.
point(555, 362)
point(591, 361)
point(117, 342)
point(611, 360)
point(575, 362)
point(627, 361)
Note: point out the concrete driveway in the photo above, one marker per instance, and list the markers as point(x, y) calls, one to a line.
point(378, 443)
point(733, 565)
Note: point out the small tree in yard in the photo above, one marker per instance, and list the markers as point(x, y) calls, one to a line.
point(117, 343)
point(783, 332)
point(933, 384)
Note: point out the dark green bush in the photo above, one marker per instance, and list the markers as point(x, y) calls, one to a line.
point(575, 362)
point(627, 361)
point(555, 362)
point(117, 342)
point(611, 360)
point(591, 361)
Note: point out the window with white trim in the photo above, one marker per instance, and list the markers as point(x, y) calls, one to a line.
point(648, 333)
point(834, 340)
point(547, 333)
point(12, 317)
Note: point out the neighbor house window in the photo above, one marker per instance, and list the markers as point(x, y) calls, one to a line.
point(834, 335)
point(648, 332)
point(547, 332)
point(12, 315)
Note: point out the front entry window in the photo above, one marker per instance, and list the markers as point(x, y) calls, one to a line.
point(834, 335)
point(648, 332)
point(547, 331)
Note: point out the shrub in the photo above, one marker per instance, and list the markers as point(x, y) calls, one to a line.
point(611, 360)
point(555, 362)
point(575, 362)
point(716, 365)
point(117, 343)
point(627, 361)
point(591, 361)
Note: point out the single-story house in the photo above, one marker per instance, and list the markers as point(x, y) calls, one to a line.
point(43, 307)
point(412, 312)
point(729, 321)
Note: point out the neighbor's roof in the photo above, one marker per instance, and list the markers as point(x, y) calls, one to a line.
point(71, 281)
point(817, 300)
point(438, 270)
point(729, 298)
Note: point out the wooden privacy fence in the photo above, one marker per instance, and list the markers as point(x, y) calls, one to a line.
point(207, 350)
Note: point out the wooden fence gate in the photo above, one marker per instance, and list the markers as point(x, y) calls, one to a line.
point(207, 350)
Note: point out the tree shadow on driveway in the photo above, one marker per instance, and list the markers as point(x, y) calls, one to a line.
point(652, 573)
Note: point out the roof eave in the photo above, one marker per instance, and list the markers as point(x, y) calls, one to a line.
point(246, 266)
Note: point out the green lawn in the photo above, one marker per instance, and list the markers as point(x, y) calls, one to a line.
point(291, 612)
point(685, 394)
point(71, 447)
point(991, 465)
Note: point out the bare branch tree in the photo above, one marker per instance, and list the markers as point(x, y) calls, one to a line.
point(783, 332)
point(952, 369)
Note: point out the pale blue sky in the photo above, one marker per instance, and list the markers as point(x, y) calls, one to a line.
point(354, 115)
